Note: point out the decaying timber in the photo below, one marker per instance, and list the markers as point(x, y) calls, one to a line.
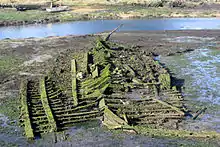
point(118, 85)
point(74, 82)
point(25, 116)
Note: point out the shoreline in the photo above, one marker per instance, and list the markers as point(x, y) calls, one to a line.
point(55, 21)
point(209, 33)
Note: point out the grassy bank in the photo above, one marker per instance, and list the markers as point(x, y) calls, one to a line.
point(86, 2)
point(102, 12)
point(103, 9)
point(11, 15)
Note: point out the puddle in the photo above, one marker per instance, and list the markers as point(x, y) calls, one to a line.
point(3, 119)
point(40, 58)
point(189, 39)
point(200, 71)
point(4, 122)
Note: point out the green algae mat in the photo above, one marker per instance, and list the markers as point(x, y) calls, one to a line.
point(123, 87)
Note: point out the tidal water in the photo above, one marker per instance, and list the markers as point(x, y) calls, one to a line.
point(200, 72)
point(97, 26)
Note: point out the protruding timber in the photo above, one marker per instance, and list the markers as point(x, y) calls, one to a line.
point(109, 35)
point(74, 82)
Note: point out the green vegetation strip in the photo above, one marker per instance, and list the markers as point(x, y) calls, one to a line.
point(95, 73)
point(98, 83)
point(97, 93)
point(111, 120)
point(46, 106)
point(93, 82)
point(24, 110)
point(86, 58)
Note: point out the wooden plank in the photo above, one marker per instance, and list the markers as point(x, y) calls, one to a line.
point(168, 105)
point(157, 116)
point(80, 114)
point(24, 110)
point(45, 102)
point(74, 82)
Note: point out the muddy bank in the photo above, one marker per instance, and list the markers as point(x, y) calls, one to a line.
point(27, 22)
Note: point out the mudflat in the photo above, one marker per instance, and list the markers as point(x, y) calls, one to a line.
point(34, 57)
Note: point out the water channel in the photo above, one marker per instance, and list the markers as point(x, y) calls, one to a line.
point(96, 26)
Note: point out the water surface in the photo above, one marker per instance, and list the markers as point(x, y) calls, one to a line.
point(200, 70)
point(96, 26)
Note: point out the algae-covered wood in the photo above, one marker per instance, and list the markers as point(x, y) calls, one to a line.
point(46, 106)
point(74, 82)
point(122, 86)
point(25, 112)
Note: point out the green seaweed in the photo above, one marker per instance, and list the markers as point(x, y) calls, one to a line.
point(102, 103)
point(165, 81)
point(97, 93)
point(95, 73)
point(101, 53)
point(45, 102)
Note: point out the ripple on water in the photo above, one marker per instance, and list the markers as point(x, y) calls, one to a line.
point(205, 78)
point(201, 73)
point(200, 70)
point(189, 39)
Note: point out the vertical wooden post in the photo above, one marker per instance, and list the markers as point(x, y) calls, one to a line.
point(74, 82)
point(46, 105)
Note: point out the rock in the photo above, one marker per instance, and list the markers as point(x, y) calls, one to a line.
point(80, 75)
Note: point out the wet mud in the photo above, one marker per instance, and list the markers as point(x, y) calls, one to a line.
point(58, 71)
